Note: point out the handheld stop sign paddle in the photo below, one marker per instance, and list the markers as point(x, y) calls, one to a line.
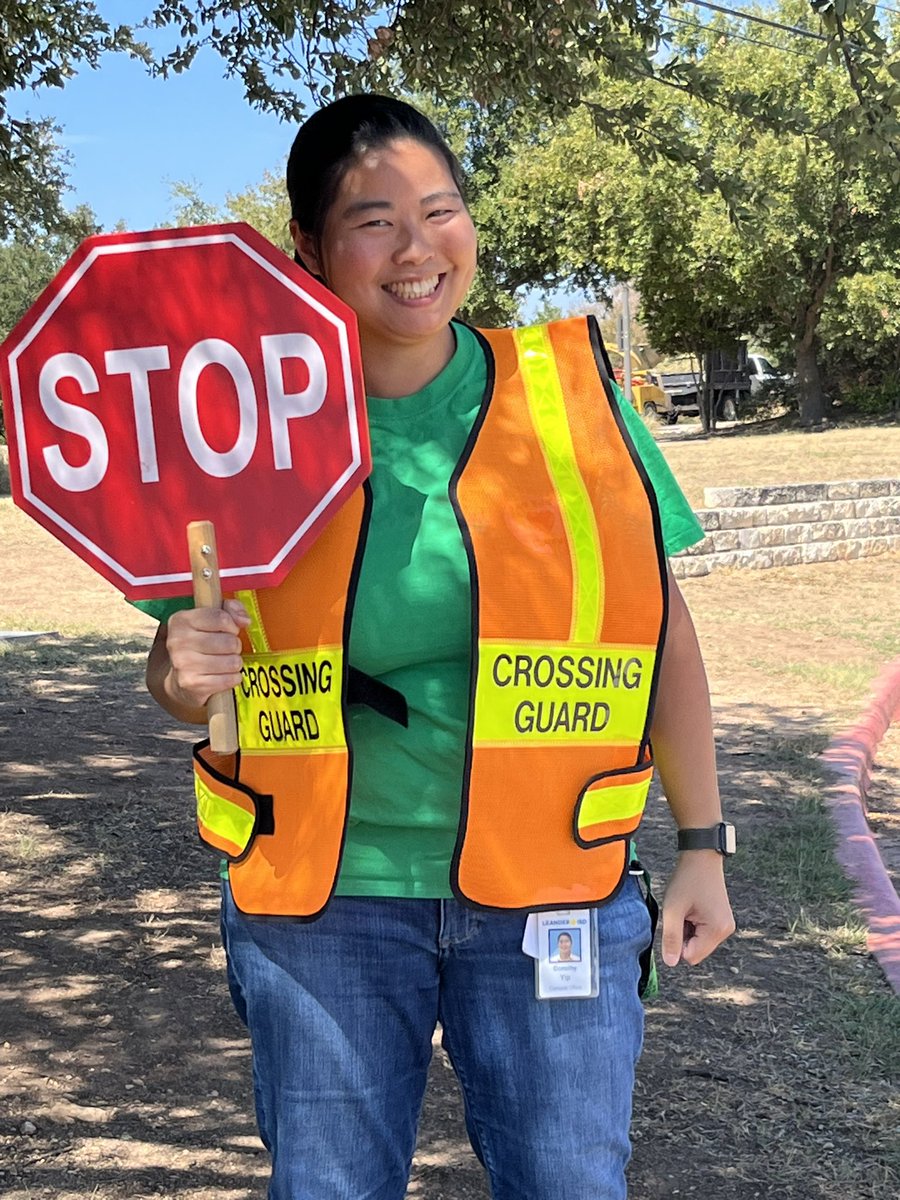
point(182, 376)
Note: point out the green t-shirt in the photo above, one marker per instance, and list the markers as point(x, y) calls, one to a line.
point(411, 629)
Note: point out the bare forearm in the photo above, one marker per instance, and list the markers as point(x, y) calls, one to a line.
point(696, 912)
point(682, 731)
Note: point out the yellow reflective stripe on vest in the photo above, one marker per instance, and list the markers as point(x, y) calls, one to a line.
point(291, 702)
point(615, 802)
point(558, 693)
point(612, 805)
point(223, 824)
point(257, 631)
point(548, 412)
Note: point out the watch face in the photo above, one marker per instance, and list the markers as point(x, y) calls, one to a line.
point(729, 842)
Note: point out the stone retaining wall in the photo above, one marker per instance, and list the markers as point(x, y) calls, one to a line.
point(788, 524)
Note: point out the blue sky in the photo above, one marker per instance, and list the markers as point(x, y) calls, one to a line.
point(129, 136)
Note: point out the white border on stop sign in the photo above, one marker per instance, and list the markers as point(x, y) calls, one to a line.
point(170, 244)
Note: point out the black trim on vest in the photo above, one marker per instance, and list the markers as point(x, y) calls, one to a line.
point(352, 587)
point(602, 360)
point(604, 357)
point(475, 607)
point(645, 958)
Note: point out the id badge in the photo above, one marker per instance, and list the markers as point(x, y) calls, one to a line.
point(565, 948)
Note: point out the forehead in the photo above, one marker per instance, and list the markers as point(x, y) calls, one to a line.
point(402, 166)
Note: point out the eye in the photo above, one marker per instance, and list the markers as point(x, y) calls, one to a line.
point(442, 212)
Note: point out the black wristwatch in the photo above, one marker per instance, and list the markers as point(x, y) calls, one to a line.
point(715, 837)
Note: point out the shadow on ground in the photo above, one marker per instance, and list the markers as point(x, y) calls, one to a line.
point(124, 1064)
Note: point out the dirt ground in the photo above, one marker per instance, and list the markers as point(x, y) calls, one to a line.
point(124, 1072)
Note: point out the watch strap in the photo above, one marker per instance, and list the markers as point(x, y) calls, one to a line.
point(718, 837)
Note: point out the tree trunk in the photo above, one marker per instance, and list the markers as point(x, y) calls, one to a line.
point(809, 383)
point(703, 393)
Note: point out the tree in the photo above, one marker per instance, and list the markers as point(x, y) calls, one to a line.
point(540, 56)
point(264, 206)
point(861, 329)
point(818, 206)
point(749, 233)
point(28, 264)
point(42, 45)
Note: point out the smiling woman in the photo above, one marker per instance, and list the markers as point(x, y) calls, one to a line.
point(390, 233)
point(493, 636)
point(399, 246)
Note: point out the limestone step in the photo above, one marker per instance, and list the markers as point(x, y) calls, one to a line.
point(760, 536)
point(796, 493)
point(687, 566)
point(791, 524)
point(752, 516)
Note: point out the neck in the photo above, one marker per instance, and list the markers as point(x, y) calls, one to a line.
point(402, 370)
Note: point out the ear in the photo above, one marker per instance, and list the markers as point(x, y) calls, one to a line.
point(306, 249)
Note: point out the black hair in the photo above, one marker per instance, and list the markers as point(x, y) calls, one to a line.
point(332, 140)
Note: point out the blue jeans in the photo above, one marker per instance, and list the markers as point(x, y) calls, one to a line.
point(341, 1014)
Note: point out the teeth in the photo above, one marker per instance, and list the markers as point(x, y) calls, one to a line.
point(414, 290)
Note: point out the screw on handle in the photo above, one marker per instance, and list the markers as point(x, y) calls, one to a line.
point(201, 536)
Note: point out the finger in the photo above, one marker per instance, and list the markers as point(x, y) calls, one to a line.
point(209, 620)
point(237, 612)
point(673, 936)
point(704, 939)
point(190, 649)
point(698, 944)
point(196, 689)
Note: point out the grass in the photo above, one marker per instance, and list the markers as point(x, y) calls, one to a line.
point(812, 637)
point(28, 668)
point(792, 652)
point(741, 457)
point(851, 680)
point(46, 587)
point(801, 648)
point(839, 938)
point(877, 1032)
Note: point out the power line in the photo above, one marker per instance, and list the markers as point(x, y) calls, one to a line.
point(741, 37)
point(745, 16)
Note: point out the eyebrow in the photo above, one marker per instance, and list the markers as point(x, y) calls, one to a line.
point(362, 206)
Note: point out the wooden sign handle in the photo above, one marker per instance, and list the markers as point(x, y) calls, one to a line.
point(201, 535)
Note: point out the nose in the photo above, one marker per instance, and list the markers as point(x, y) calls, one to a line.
point(413, 244)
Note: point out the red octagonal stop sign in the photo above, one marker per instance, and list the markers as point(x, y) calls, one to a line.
point(182, 375)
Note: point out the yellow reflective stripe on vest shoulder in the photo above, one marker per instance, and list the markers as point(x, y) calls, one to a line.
point(548, 412)
point(224, 824)
point(562, 693)
point(291, 701)
point(257, 631)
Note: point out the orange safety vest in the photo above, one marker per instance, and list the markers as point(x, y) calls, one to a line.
point(569, 598)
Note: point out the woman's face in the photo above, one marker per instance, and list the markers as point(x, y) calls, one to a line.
point(399, 246)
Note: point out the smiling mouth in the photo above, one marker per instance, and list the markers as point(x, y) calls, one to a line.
point(416, 289)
